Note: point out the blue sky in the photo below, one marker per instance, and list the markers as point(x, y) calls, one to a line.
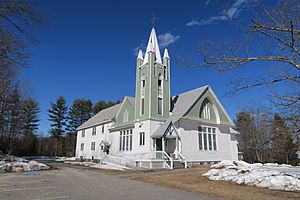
point(87, 49)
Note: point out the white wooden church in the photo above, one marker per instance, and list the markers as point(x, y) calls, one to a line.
point(156, 130)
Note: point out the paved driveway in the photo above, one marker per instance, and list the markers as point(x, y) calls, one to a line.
point(82, 184)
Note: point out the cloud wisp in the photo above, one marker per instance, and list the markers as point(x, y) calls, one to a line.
point(231, 13)
point(166, 39)
point(141, 46)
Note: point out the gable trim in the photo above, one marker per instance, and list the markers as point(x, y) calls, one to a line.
point(188, 110)
point(125, 98)
point(213, 105)
point(221, 106)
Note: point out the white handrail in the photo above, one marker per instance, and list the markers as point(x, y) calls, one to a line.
point(102, 158)
point(183, 159)
point(169, 158)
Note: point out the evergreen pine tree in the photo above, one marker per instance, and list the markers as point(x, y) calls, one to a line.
point(246, 126)
point(101, 105)
point(28, 144)
point(14, 120)
point(80, 111)
point(58, 116)
point(283, 148)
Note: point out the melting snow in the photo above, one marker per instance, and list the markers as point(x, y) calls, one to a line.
point(270, 175)
point(104, 165)
point(62, 159)
point(15, 164)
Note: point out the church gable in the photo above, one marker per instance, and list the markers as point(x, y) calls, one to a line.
point(126, 113)
point(208, 109)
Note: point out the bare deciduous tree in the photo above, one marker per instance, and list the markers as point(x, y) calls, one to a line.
point(279, 26)
point(274, 44)
point(17, 19)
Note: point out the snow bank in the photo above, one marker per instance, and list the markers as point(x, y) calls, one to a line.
point(271, 175)
point(104, 165)
point(62, 159)
point(15, 164)
point(107, 165)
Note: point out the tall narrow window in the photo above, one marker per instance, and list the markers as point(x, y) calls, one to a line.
point(103, 128)
point(83, 133)
point(93, 146)
point(143, 83)
point(94, 130)
point(159, 86)
point(200, 138)
point(130, 141)
point(159, 106)
point(160, 94)
point(143, 106)
point(142, 138)
point(214, 142)
point(124, 140)
point(82, 146)
point(210, 142)
point(205, 141)
point(159, 82)
point(120, 144)
point(127, 140)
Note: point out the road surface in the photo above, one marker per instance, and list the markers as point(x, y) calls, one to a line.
point(78, 183)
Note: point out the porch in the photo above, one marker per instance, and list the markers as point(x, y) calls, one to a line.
point(167, 147)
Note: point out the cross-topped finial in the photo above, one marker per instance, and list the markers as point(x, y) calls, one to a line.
point(153, 20)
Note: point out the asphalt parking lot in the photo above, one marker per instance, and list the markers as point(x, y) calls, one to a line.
point(78, 183)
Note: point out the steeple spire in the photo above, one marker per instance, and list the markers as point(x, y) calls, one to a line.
point(166, 54)
point(140, 55)
point(153, 47)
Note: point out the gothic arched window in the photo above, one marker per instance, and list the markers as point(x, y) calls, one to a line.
point(206, 111)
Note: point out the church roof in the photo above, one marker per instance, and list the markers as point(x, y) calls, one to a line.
point(131, 99)
point(105, 115)
point(153, 47)
point(102, 116)
point(182, 104)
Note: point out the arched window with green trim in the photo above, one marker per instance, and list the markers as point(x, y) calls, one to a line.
point(207, 111)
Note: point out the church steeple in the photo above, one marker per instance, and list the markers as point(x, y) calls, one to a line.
point(152, 99)
point(152, 47)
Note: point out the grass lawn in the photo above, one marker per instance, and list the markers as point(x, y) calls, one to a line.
point(192, 180)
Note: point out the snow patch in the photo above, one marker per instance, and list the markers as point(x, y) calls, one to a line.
point(104, 165)
point(62, 159)
point(16, 164)
point(270, 175)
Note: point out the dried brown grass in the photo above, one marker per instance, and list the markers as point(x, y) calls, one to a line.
point(192, 180)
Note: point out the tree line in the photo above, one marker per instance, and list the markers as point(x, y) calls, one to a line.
point(21, 138)
point(64, 121)
point(18, 110)
point(266, 137)
point(271, 49)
